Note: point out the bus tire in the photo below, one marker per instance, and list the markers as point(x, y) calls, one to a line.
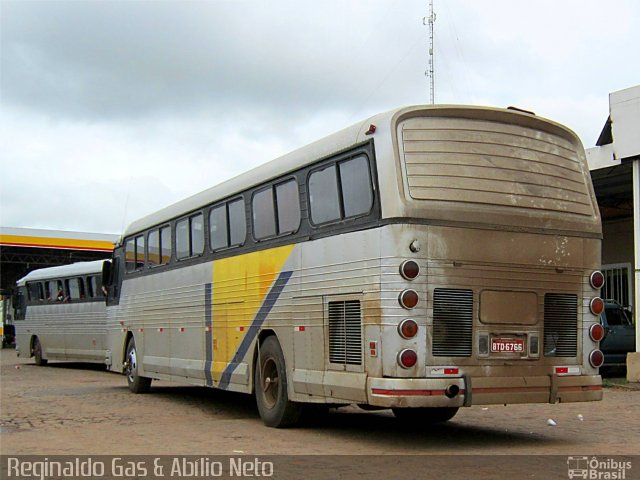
point(136, 383)
point(425, 416)
point(37, 353)
point(270, 381)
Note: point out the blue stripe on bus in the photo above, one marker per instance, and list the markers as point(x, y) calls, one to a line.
point(208, 335)
point(252, 332)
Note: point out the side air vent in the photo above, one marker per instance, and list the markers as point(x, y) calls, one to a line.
point(560, 325)
point(345, 332)
point(452, 322)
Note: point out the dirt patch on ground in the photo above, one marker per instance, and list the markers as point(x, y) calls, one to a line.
point(80, 409)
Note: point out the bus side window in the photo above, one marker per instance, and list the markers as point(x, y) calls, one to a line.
point(190, 236)
point(264, 219)
point(237, 222)
point(75, 289)
point(35, 292)
point(130, 255)
point(153, 244)
point(91, 287)
point(355, 178)
point(134, 254)
point(218, 227)
point(323, 195)
point(165, 245)
point(288, 204)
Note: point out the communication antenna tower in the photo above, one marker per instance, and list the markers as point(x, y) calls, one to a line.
point(429, 21)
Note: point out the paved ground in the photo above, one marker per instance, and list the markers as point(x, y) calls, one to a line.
point(80, 409)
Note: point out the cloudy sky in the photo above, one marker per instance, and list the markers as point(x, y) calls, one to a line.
point(111, 110)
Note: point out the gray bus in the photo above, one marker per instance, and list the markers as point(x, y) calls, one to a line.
point(425, 259)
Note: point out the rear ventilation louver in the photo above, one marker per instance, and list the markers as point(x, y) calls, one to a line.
point(345, 332)
point(452, 322)
point(560, 325)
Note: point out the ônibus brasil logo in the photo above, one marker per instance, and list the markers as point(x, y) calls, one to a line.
point(594, 468)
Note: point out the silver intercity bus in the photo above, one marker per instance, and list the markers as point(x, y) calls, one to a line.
point(428, 258)
point(61, 314)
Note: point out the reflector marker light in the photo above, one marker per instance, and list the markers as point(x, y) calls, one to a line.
point(181, 329)
point(141, 330)
point(596, 332)
point(373, 349)
point(596, 306)
point(407, 358)
point(299, 328)
point(409, 269)
point(408, 328)
point(445, 371)
point(239, 329)
point(596, 358)
point(408, 299)
point(564, 371)
point(596, 279)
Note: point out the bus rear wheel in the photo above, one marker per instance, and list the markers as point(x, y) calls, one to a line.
point(425, 416)
point(136, 383)
point(270, 381)
point(37, 353)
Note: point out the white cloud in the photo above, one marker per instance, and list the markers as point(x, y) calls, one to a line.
point(111, 110)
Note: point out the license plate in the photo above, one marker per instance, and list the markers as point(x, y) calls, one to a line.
point(507, 345)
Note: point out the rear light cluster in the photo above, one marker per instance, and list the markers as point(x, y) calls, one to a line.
point(596, 331)
point(596, 358)
point(408, 299)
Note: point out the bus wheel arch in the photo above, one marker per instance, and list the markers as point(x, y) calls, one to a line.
point(36, 351)
point(271, 386)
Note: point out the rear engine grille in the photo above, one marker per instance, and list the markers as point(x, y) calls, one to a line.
point(452, 322)
point(345, 332)
point(560, 325)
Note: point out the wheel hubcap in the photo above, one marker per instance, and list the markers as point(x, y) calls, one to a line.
point(133, 363)
point(270, 382)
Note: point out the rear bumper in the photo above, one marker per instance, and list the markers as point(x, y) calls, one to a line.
point(432, 392)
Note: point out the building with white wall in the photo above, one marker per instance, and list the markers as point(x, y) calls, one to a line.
point(615, 170)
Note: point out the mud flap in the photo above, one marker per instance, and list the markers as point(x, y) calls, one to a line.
point(553, 390)
point(468, 393)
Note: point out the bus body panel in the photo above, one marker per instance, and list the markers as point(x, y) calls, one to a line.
point(497, 209)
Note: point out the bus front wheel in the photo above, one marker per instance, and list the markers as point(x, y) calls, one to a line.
point(425, 416)
point(37, 353)
point(137, 384)
point(270, 380)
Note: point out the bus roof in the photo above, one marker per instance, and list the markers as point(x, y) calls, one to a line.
point(329, 145)
point(335, 143)
point(71, 270)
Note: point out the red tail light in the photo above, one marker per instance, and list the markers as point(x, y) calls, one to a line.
point(408, 299)
point(408, 328)
point(596, 332)
point(407, 358)
point(596, 279)
point(409, 269)
point(596, 306)
point(596, 358)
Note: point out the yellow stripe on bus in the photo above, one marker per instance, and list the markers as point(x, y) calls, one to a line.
point(48, 242)
point(240, 285)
